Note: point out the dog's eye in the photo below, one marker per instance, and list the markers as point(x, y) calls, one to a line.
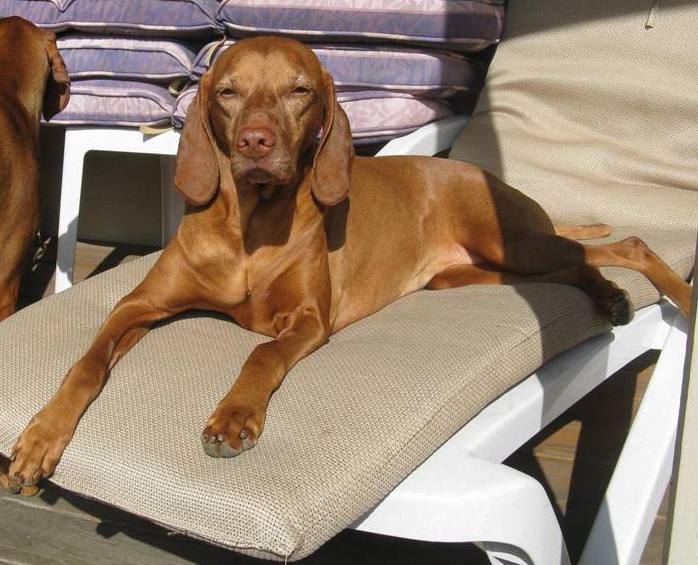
point(300, 90)
point(227, 93)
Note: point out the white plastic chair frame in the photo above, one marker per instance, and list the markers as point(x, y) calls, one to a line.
point(80, 140)
point(462, 492)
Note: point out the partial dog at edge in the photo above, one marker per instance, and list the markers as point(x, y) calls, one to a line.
point(33, 79)
point(296, 239)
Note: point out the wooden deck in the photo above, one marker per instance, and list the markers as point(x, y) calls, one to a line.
point(573, 458)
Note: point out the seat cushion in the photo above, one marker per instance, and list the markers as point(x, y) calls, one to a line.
point(347, 425)
point(374, 115)
point(141, 17)
point(422, 72)
point(116, 103)
point(591, 108)
point(125, 57)
point(467, 25)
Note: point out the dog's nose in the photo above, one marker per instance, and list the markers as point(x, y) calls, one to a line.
point(255, 142)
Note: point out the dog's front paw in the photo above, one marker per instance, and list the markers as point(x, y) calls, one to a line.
point(232, 430)
point(37, 452)
point(5, 482)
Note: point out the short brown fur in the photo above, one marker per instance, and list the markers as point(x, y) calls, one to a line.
point(33, 79)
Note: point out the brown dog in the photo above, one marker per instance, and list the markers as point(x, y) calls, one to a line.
point(296, 239)
point(33, 78)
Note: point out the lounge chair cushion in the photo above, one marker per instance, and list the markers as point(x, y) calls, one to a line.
point(467, 25)
point(422, 72)
point(347, 425)
point(125, 57)
point(140, 17)
point(591, 108)
point(116, 103)
point(373, 115)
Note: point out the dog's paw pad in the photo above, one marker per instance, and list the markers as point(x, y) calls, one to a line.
point(227, 444)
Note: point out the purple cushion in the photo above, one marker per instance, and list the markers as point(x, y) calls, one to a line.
point(126, 57)
point(466, 25)
point(142, 17)
point(373, 115)
point(421, 72)
point(116, 103)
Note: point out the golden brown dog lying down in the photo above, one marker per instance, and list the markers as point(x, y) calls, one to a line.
point(297, 239)
point(33, 78)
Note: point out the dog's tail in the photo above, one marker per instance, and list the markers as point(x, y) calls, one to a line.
point(579, 232)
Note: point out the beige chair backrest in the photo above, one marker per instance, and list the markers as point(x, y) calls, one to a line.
point(591, 108)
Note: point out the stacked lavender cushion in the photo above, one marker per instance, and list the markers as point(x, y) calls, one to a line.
point(463, 25)
point(386, 90)
point(123, 80)
point(123, 55)
point(143, 18)
point(398, 64)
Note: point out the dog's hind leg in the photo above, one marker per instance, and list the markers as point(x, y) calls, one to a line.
point(633, 253)
point(612, 300)
point(537, 253)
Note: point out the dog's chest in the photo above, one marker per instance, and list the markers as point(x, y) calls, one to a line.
point(263, 295)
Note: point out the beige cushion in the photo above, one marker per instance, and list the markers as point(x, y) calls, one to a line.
point(348, 424)
point(593, 114)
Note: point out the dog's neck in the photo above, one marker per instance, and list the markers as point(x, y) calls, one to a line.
point(291, 209)
point(25, 74)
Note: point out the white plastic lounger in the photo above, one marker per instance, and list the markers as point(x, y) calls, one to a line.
point(80, 140)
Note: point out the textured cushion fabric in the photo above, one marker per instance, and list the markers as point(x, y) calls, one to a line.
point(347, 425)
point(467, 25)
point(421, 72)
point(591, 108)
point(116, 103)
point(373, 115)
point(152, 59)
point(380, 116)
point(141, 17)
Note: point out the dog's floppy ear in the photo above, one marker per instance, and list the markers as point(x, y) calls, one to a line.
point(57, 91)
point(196, 173)
point(331, 175)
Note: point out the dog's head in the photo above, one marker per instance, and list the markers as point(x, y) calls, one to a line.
point(259, 110)
point(32, 57)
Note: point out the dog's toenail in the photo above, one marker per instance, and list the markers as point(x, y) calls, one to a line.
point(219, 437)
point(244, 433)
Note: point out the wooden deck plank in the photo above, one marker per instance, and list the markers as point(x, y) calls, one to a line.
point(35, 533)
point(62, 528)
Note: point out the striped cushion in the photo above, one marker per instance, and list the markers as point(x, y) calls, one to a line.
point(466, 25)
point(373, 115)
point(126, 57)
point(116, 103)
point(422, 72)
point(142, 17)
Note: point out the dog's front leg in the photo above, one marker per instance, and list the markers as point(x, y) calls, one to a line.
point(40, 446)
point(237, 421)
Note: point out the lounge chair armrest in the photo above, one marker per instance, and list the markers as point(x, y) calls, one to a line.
point(470, 499)
point(427, 140)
